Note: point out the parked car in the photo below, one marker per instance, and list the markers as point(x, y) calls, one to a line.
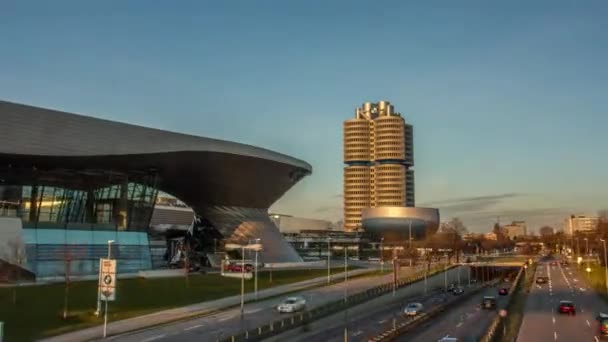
point(412, 309)
point(488, 302)
point(292, 304)
point(566, 307)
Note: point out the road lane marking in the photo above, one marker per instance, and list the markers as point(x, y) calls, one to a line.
point(157, 337)
point(589, 324)
point(459, 325)
point(357, 333)
point(193, 327)
point(383, 321)
point(553, 319)
point(555, 335)
point(596, 339)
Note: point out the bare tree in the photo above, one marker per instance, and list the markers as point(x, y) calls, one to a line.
point(16, 256)
point(67, 259)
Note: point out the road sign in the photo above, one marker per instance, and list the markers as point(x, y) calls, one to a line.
point(107, 280)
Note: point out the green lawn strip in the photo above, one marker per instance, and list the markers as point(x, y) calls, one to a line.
point(515, 308)
point(38, 310)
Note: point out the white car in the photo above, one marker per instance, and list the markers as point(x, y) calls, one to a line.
point(412, 309)
point(292, 304)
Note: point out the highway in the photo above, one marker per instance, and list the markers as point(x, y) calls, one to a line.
point(374, 317)
point(466, 321)
point(541, 320)
point(225, 323)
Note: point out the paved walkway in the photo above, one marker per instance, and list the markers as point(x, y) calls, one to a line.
point(205, 308)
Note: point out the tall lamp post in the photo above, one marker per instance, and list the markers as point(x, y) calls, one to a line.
point(328, 259)
point(382, 255)
point(605, 265)
point(255, 247)
point(257, 241)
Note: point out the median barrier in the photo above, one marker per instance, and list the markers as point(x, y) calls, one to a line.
point(490, 333)
point(259, 333)
point(404, 327)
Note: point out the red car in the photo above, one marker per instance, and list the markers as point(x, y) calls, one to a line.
point(503, 291)
point(566, 307)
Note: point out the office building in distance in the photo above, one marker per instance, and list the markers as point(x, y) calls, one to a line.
point(69, 183)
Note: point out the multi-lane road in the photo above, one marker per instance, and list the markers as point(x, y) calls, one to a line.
point(228, 322)
point(541, 320)
point(371, 318)
point(466, 321)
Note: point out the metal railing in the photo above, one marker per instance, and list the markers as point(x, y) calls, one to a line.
point(297, 320)
point(406, 326)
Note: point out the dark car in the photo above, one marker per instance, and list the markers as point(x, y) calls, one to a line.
point(488, 302)
point(566, 307)
point(451, 287)
point(457, 291)
point(542, 280)
point(602, 318)
point(503, 291)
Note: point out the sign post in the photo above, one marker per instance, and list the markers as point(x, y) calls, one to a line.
point(107, 287)
point(1, 331)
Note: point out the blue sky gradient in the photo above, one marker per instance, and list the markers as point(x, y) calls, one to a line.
point(508, 101)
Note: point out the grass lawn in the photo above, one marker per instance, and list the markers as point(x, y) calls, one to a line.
point(38, 310)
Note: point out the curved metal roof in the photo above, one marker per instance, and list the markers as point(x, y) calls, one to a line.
point(200, 171)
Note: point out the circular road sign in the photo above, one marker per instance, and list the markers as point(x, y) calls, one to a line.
point(107, 279)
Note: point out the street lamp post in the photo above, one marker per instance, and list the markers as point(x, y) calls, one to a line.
point(256, 247)
point(410, 242)
point(257, 241)
point(586, 247)
point(605, 265)
point(328, 260)
point(381, 255)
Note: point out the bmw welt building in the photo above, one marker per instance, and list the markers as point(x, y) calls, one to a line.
point(70, 183)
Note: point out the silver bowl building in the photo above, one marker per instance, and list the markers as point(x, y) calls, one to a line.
point(76, 182)
point(396, 223)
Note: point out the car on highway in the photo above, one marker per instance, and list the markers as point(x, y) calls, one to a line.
point(412, 309)
point(566, 307)
point(488, 302)
point(503, 291)
point(292, 304)
point(457, 291)
point(602, 318)
point(542, 279)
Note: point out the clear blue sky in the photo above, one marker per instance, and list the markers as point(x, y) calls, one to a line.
point(508, 101)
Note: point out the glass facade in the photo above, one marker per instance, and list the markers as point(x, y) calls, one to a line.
point(123, 207)
point(67, 221)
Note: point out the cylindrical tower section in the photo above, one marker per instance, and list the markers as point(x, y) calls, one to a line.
point(356, 194)
point(389, 139)
point(356, 140)
point(390, 185)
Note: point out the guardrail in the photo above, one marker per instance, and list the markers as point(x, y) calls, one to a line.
point(404, 327)
point(279, 326)
point(498, 320)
